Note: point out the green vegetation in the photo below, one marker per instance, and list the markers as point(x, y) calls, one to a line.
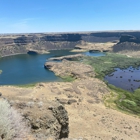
point(105, 65)
point(27, 85)
point(68, 78)
point(124, 100)
point(119, 98)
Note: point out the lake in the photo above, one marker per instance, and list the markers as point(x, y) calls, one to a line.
point(128, 79)
point(26, 69)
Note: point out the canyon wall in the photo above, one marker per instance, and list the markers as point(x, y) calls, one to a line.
point(127, 43)
point(42, 42)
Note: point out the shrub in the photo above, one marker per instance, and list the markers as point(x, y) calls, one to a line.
point(12, 126)
point(130, 103)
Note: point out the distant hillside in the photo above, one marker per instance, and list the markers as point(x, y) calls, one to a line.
point(128, 43)
point(129, 38)
point(40, 42)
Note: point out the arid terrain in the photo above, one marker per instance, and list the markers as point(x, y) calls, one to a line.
point(83, 101)
point(71, 110)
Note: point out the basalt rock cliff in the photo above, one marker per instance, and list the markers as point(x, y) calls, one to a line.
point(128, 43)
point(129, 38)
point(43, 42)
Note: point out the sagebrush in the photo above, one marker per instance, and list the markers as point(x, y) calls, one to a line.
point(12, 126)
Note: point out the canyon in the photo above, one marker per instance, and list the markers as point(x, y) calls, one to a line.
point(11, 44)
point(75, 110)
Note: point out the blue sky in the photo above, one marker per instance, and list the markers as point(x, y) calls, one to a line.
point(25, 16)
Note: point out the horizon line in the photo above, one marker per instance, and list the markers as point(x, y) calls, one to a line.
point(98, 31)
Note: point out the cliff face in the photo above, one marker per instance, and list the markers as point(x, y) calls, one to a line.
point(25, 40)
point(102, 37)
point(128, 43)
point(129, 38)
point(126, 47)
point(35, 38)
point(13, 44)
point(41, 42)
point(62, 37)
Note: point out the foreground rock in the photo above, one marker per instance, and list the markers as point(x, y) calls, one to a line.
point(45, 118)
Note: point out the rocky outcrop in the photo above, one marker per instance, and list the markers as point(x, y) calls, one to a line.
point(60, 114)
point(95, 47)
point(129, 38)
point(23, 40)
point(126, 47)
point(103, 37)
point(62, 37)
point(21, 43)
point(70, 68)
point(128, 43)
point(45, 118)
point(16, 44)
point(32, 52)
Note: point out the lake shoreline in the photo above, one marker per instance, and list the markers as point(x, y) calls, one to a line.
point(12, 55)
point(47, 52)
point(85, 99)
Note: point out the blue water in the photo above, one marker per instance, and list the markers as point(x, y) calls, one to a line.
point(127, 79)
point(95, 54)
point(27, 69)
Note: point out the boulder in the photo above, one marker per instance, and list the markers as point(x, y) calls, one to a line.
point(49, 119)
point(61, 115)
point(71, 101)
